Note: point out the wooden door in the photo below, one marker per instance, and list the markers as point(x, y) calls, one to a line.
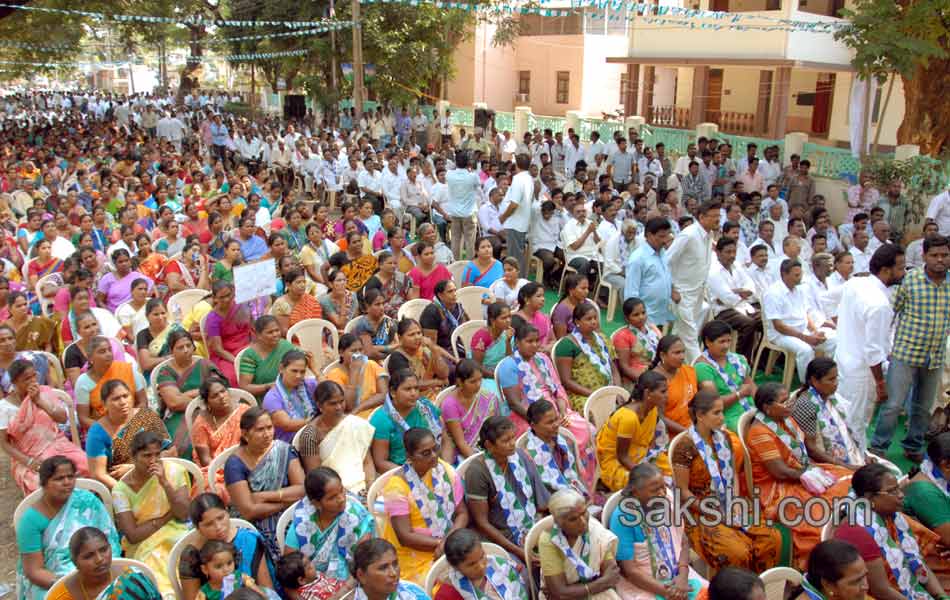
point(722, 5)
point(714, 96)
point(821, 111)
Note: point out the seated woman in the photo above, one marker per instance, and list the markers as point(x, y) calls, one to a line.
point(819, 413)
point(44, 530)
point(504, 491)
point(493, 343)
point(188, 271)
point(507, 288)
point(578, 555)
point(781, 468)
point(636, 343)
point(209, 515)
point(424, 357)
point(340, 305)
point(402, 410)
point(151, 506)
point(328, 524)
point(338, 440)
point(364, 381)
point(290, 401)
point(555, 454)
point(670, 361)
point(427, 272)
point(216, 425)
point(178, 382)
point(131, 314)
point(729, 372)
point(227, 329)
point(927, 496)
point(376, 329)
point(43, 263)
point(585, 359)
point(151, 342)
point(484, 269)
point(223, 269)
point(32, 332)
point(116, 287)
point(635, 433)
point(576, 289)
point(80, 301)
point(465, 409)
point(376, 570)
point(90, 395)
point(472, 570)
point(835, 570)
point(45, 374)
point(30, 415)
point(260, 364)
point(296, 304)
point(706, 465)
point(394, 285)
point(902, 556)
point(264, 476)
point(424, 502)
point(528, 376)
point(75, 361)
point(531, 309)
point(99, 579)
point(442, 317)
point(360, 264)
point(653, 559)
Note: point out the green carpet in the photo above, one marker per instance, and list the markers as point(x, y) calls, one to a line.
point(895, 453)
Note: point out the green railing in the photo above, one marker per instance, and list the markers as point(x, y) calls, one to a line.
point(555, 124)
point(604, 128)
point(675, 140)
point(834, 163)
point(740, 142)
point(463, 117)
point(505, 121)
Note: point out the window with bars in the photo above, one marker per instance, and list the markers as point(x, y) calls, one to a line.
point(524, 82)
point(563, 87)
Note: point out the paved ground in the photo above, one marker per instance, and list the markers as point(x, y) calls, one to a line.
point(10, 496)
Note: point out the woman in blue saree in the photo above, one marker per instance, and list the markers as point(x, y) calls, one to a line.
point(45, 528)
point(264, 476)
point(484, 269)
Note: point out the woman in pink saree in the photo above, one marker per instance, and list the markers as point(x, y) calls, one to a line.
point(227, 329)
point(30, 416)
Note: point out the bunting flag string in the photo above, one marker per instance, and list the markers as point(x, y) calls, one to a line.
point(249, 57)
point(335, 25)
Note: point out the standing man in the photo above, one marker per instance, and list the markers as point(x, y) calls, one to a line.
point(864, 340)
point(620, 166)
point(219, 138)
point(445, 127)
point(690, 257)
point(648, 273)
point(922, 309)
point(516, 217)
point(939, 212)
point(463, 186)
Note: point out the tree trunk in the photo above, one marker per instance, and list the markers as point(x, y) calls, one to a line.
point(926, 111)
point(191, 72)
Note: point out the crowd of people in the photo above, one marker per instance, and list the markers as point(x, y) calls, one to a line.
point(418, 463)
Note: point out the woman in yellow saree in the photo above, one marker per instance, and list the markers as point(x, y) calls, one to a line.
point(151, 506)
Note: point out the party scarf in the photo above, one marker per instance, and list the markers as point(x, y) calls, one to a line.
point(500, 574)
point(902, 557)
point(551, 473)
point(733, 383)
point(584, 571)
point(600, 359)
point(519, 519)
point(832, 427)
point(796, 445)
point(297, 401)
point(719, 466)
point(432, 422)
point(432, 503)
point(928, 468)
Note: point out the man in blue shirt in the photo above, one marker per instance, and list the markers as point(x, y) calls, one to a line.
point(220, 136)
point(461, 206)
point(648, 274)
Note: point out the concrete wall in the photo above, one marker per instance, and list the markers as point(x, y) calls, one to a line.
point(544, 56)
point(664, 88)
point(600, 89)
point(461, 88)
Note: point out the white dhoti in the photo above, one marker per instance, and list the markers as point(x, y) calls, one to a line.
point(689, 320)
point(858, 395)
point(804, 352)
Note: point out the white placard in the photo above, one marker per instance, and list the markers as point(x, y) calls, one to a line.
point(255, 280)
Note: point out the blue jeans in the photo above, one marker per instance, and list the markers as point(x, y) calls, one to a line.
point(915, 386)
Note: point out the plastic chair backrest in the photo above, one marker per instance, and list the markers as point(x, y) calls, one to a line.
point(310, 335)
point(174, 557)
point(457, 268)
point(216, 465)
point(777, 579)
point(108, 325)
point(613, 501)
point(441, 566)
point(412, 309)
point(471, 300)
point(530, 543)
point(602, 403)
point(745, 421)
point(374, 490)
point(36, 496)
point(465, 332)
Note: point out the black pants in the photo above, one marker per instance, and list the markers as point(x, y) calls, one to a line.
point(552, 263)
point(746, 327)
point(587, 268)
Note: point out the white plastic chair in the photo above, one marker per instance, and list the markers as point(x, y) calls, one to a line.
point(282, 524)
point(457, 268)
point(55, 365)
point(45, 301)
point(327, 369)
point(239, 395)
point(441, 567)
point(601, 404)
point(237, 359)
point(766, 346)
point(197, 477)
point(375, 490)
point(216, 465)
point(181, 303)
point(777, 579)
point(36, 496)
point(310, 335)
point(412, 309)
point(108, 325)
point(73, 416)
point(745, 421)
point(471, 300)
point(463, 467)
point(530, 544)
point(118, 564)
point(613, 501)
point(441, 396)
point(174, 557)
point(351, 325)
point(465, 332)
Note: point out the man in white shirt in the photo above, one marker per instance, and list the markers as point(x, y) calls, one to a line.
point(392, 187)
point(791, 249)
point(594, 148)
point(861, 253)
point(770, 168)
point(648, 164)
point(544, 236)
point(882, 235)
point(413, 196)
point(732, 292)
point(420, 128)
point(488, 214)
point(788, 325)
point(915, 249)
point(464, 187)
point(864, 327)
point(939, 211)
point(307, 164)
point(690, 257)
point(516, 215)
point(580, 241)
point(758, 269)
point(445, 127)
point(682, 163)
point(370, 182)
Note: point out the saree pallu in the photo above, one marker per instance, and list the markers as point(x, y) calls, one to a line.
point(34, 433)
point(144, 420)
point(189, 380)
point(359, 271)
point(625, 423)
point(37, 334)
point(422, 365)
point(217, 440)
point(131, 584)
point(235, 335)
point(484, 405)
point(330, 550)
point(643, 562)
point(82, 509)
point(306, 308)
point(755, 548)
point(269, 475)
point(343, 449)
point(122, 371)
point(585, 373)
point(765, 446)
point(151, 502)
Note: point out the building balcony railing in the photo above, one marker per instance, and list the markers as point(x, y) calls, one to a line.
point(742, 123)
point(670, 116)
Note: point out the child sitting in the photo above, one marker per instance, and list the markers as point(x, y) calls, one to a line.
point(218, 561)
point(301, 581)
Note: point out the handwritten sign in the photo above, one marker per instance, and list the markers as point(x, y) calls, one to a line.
point(255, 280)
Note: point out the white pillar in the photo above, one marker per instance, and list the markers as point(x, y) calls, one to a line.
point(573, 121)
point(794, 144)
point(521, 121)
point(906, 151)
point(707, 130)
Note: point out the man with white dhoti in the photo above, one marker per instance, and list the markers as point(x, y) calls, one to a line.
point(689, 258)
point(864, 339)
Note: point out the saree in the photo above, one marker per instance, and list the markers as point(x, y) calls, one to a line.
point(120, 451)
point(128, 316)
point(159, 344)
point(271, 474)
point(753, 547)
point(495, 349)
point(216, 440)
point(330, 550)
point(473, 276)
point(188, 380)
point(430, 502)
point(40, 365)
point(342, 449)
point(37, 334)
point(764, 445)
point(422, 365)
point(151, 502)
point(83, 508)
point(590, 367)
point(359, 271)
point(372, 371)
point(395, 292)
point(305, 308)
point(557, 462)
point(641, 343)
point(122, 371)
point(625, 423)
point(382, 334)
point(131, 584)
point(581, 561)
point(727, 380)
point(153, 265)
point(264, 369)
point(33, 432)
point(484, 405)
point(235, 334)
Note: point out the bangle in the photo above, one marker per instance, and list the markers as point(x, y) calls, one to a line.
point(280, 495)
point(587, 587)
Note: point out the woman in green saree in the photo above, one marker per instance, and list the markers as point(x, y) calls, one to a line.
point(585, 359)
point(178, 383)
point(45, 528)
point(260, 364)
point(728, 371)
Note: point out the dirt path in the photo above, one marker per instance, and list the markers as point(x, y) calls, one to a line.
point(10, 496)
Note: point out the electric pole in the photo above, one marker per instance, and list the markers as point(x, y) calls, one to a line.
point(357, 61)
